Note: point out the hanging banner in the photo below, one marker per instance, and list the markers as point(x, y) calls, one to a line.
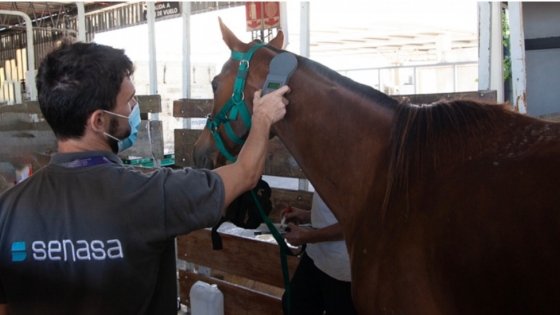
point(164, 9)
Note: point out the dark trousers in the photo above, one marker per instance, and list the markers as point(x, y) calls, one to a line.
point(315, 292)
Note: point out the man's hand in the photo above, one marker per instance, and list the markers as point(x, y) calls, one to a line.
point(298, 216)
point(272, 106)
point(300, 235)
point(297, 235)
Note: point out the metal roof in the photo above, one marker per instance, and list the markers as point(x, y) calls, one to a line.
point(43, 14)
point(415, 29)
point(62, 15)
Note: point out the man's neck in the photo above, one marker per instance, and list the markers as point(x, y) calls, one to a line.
point(86, 143)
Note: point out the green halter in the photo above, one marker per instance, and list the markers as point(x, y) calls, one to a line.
point(235, 105)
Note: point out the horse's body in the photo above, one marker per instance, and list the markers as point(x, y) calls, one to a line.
point(451, 208)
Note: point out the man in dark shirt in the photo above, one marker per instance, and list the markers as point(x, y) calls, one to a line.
point(87, 235)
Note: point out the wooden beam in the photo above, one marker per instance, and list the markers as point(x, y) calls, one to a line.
point(244, 257)
point(16, 143)
point(238, 300)
point(184, 144)
point(28, 107)
point(192, 108)
point(419, 99)
point(279, 162)
point(149, 103)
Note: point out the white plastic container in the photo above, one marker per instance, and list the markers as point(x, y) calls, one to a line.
point(206, 299)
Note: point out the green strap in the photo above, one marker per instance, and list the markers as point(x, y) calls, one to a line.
point(237, 55)
point(220, 144)
point(232, 135)
point(245, 116)
point(284, 249)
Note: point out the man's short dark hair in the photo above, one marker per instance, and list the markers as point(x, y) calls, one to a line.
point(77, 79)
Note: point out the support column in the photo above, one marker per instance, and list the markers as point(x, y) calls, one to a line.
point(152, 51)
point(81, 22)
point(490, 50)
point(284, 22)
point(186, 57)
point(304, 30)
point(518, 69)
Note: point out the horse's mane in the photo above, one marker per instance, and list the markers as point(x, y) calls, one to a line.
point(423, 136)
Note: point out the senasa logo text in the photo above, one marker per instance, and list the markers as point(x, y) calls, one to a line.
point(68, 250)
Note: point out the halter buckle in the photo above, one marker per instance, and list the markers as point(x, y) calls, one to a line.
point(246, 62)
point(242, 97)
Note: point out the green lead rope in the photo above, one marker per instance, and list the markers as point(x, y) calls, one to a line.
point(284, 249)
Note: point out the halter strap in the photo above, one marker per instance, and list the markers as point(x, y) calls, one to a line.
point(235, 106)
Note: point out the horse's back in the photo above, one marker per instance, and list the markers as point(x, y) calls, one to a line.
point(498, 250)
point(476, 235)
point(495, 224)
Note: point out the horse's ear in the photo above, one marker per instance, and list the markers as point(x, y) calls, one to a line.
point(229, 38)
point(278, 40)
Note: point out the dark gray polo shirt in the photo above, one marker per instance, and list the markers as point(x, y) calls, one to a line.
point(98, 239)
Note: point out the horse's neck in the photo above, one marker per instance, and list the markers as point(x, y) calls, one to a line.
point(339, 140)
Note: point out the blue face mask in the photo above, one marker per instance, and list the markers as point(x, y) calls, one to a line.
point(134, 122)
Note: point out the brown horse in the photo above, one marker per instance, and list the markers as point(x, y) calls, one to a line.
point(448, 208)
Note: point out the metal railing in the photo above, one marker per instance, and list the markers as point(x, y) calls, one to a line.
point(385, 78)
point(131, 14)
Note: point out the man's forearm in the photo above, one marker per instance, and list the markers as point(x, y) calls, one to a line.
point(244, 174)
point(253, 154)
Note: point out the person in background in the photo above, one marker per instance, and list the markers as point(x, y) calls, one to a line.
point(88, 235)
point(321, 282)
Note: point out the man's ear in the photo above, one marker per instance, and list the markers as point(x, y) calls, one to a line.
point(96, 121)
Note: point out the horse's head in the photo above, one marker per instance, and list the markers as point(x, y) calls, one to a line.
point(229, 122)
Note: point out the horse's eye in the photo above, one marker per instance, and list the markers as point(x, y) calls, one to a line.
point(214, 86)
